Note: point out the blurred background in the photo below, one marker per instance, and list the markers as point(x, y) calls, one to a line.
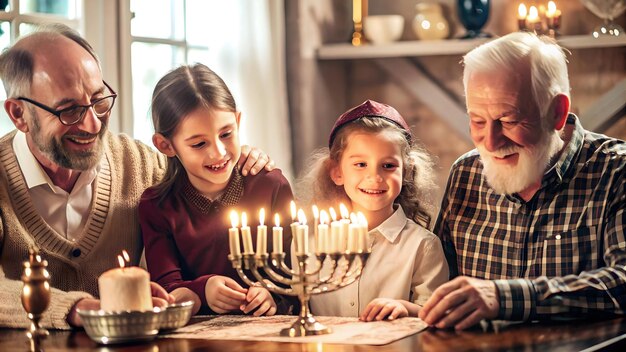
point(293, 70)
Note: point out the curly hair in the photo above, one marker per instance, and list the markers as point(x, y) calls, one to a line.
point(416, 195)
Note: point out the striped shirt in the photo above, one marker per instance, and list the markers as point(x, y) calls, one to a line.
point(561, 254)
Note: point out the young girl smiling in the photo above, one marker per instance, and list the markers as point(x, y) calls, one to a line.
point(374, 165)
point(184, 219)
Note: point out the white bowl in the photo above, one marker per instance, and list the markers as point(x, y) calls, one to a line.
point(383, 29)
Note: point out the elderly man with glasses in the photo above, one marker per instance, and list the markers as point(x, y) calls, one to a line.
point(68, 186)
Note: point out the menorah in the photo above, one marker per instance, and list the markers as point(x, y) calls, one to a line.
point(336, 252)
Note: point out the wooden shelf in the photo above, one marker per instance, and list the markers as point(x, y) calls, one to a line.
point(446, 47)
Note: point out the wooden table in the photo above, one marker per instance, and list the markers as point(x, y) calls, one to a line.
point(592, 335)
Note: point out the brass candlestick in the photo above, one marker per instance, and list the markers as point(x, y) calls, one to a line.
point(359, 11)
point(36, 293)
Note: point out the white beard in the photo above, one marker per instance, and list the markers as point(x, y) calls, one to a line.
point(532, 163)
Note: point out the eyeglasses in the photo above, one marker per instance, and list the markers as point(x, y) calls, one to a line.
point(75, 113)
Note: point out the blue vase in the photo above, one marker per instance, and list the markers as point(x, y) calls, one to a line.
point(473, 15)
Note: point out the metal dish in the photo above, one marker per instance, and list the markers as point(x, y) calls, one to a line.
point(121, 327)
point(176, 316)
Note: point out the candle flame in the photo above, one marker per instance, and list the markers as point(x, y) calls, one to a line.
point(533, 14)
point(343, 210)
point(551, 9)
point(353, 218)
point(277, 220)
point(316, 212)
point(262, 216)
point(323, 217)
point(292, 206)
point(333, 214)
point(234, 219)
point(120, 260)
point(126, 256)
point(362, 219)
point(301, 217)
point(244, 219)
point(521, 11)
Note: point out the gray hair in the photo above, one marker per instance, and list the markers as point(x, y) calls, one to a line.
point(547, 61)
point(16, 62)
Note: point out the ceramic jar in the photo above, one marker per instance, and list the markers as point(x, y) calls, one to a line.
point(429, 22)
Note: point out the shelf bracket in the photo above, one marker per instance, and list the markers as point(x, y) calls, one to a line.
point(420, 85)
point(599, 116)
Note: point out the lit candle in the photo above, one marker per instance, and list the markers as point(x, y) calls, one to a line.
point(261, 234)
point(521, 17)
point(123, 289)
point(316, 216)
point(294, 222)
point(335, 232)
point(553, 19)
point(302, 234)
point(277, 235)
point(363, 240)
point(533, 19)
point(233, 234)
point(345, 225)
point(354, 229)
point(246, 236)
point(551, 9)
point(322, 233)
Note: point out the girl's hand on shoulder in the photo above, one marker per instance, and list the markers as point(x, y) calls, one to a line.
point(384, 308)
point(224, 294)
point(260, 299)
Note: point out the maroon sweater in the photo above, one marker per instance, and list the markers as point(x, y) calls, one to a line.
point(186, 235)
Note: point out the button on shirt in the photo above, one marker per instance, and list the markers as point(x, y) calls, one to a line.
point(561, 253)
point(65, 212)
point(407, 262)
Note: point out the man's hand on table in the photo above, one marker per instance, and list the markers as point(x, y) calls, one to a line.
point(461, 303)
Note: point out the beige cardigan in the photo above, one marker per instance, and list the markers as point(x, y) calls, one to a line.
point(126, 170)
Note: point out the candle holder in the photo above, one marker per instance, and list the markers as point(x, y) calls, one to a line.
point(35, 295)
point(307, 280)
point(553, 24)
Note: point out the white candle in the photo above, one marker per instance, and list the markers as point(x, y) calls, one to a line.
point(354, 229)
point(363, 234)
point(246, 236)
point(294, 223)
point(277, 235)
point(261, 234)
point(345, 224)
point(302, 234)
point(335, 232)
point(233, 235)
point(123, 289)
point(316, 216)
point(323, 245)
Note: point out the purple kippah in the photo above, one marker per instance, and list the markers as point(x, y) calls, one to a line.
point(369, 108)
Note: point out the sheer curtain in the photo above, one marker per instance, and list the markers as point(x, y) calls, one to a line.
point(247, 49)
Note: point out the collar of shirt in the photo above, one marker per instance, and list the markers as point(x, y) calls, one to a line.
point(563, 169)
point(231, 196)
point(33, 172)
point(391, 228)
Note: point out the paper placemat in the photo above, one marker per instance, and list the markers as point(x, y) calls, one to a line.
point(345, 330)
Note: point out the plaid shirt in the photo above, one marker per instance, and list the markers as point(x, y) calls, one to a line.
point(561, 253)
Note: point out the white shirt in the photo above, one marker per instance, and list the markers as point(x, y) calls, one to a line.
point(65, 212)
point(407, 262)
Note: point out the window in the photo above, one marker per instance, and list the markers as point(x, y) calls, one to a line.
point(19, 17)
point(179, 38)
